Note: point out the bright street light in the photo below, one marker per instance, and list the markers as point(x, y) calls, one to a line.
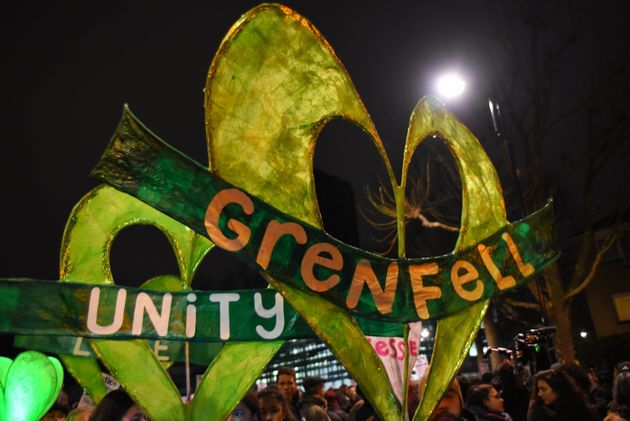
point(450, 85)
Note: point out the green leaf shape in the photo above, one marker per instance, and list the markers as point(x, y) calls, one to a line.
point(223, 385)
point(87, 370)
point(5, 363)
point(483, 212)
point(272, 86)
point(31, 386)
point(92, 227)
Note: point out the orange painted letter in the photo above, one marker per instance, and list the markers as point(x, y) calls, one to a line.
point(383, 297)
point(216, 206)
point(422, 294)
point(313, 257)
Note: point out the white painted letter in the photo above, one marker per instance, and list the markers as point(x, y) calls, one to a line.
point(160, 321)
point(191, 316)
point(77, 348)
point(276, 311)
point(224, 300)
point(157, 347)
point(119, 312)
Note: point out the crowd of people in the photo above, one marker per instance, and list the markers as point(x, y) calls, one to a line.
point(566, 392)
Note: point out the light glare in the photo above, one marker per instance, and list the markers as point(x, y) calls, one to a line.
point(450, 85)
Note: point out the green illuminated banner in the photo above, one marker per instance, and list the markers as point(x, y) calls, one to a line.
point(201, 353)
point(34, 307)
point(139, 163)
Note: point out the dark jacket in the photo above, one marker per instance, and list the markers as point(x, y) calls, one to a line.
point(569, 413)
point(482, 414)
point(309, 400)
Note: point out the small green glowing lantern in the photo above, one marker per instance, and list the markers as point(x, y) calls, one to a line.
point(29, 386)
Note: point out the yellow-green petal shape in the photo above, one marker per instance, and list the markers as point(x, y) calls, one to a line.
point(92, 227)
point(273, 85)
point(483, 213)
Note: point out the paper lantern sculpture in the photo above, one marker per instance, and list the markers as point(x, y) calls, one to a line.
point(29, 386)
point(274, 83)
point(272, 86)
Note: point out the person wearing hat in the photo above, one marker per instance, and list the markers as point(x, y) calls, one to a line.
point(451, 406)
point(313, 404)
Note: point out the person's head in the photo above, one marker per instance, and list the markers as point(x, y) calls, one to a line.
point(273, 406)
point(485, 396)
point(548, 384)
point(621, 367)
point(486, 377)
point(621, 389)
point(450, 405)
point(352, 391)
point(314, 386)
point(117, 405)
point(247, 409)
point(578, 374)
point(80, 414)
point(331, 399)
point(555, 387)
point(285, 381)
point(464, 385)
point(57, 412)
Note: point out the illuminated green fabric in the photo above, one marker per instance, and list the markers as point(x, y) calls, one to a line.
point(273, 85)
point(29, 385)
point(35, 307)
point(201, 353)
point(483, 213)
point(143, 165)
point(92, 227)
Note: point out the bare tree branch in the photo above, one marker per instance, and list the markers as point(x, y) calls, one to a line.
point(522, 304)
point(610, 240)
point(581, 105)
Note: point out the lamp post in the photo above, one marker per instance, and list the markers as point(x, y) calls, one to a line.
point(501, 134)
point(451, 86)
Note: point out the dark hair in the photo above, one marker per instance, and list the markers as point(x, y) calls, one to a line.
point(486, 378)
point(112, 407)
point(578, 374)
point(251, 402)
point(622, 366)
point(464, 385)
point(274, 393)
point(621, 395)
point(286, 371)
point(572, 403)
point(478, 394)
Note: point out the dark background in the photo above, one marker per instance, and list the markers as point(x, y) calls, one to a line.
point(69, 67)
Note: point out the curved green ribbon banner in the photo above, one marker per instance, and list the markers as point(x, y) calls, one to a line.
point(273, 85)
point(35, 307)
point(286, 248)
point(92, 227)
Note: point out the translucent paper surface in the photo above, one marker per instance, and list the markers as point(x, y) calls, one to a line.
point(92, 227)
point(29, 386)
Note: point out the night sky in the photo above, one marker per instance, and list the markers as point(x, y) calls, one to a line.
point(70, 66)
